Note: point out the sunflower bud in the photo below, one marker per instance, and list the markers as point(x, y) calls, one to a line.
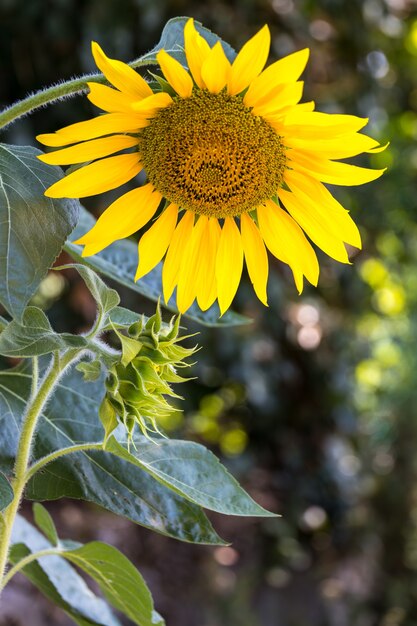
point(137, 385)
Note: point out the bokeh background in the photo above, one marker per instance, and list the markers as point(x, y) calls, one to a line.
point(313, 406)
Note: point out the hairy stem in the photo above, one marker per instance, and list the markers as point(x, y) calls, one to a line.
point(57, 92)
point(34, 410)
point(25, 561)
point(80, 447)
point(35, 376)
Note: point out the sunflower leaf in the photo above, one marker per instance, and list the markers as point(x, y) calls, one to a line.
point(45, 523)
point(119, 262)
point(192, 471)
point(3, 323)
point(106, 298)
point(72, 417)
point(33, 227)
point(6, 492)
point(172, 41)
point(91, 370)
point(122, 318)
point(57, 579)
point(34, 336)
point(118, 579)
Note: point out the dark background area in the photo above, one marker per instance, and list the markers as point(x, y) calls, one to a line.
point(312, 407)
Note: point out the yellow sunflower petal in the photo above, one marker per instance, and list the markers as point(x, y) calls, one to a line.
point(280, 98)
point(313, 124)
point(196, 51)
point(109, 99)
point(150, 105)
point(229, 263)
point(286, 70)
point(287, 242)
point(122, 76)
point(250, 61)
point(97, 177)
point(255, 256)
point(180, 239)
point(89, 150)
point(305, 107)
point(176, 75)
point(215, 69)
point(340, 147)
point(121, 219)
point(317, 229)
point(154, 243)
point(324, 205)
point(331, 172)
point(90, 129)
point(379, 148)
point(190, 266)
point(278, 120)
point(206, 279)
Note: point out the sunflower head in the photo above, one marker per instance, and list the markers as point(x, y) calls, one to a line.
point(235, 166)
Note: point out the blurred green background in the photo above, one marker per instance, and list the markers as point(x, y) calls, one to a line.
point(313, 406)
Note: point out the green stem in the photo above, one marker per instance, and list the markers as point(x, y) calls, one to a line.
point(56, 92)
point(25, 561)
point(35, 377)
point(80, 447)
point(34, 410)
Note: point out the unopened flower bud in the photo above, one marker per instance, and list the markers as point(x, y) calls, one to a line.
point(138, 385)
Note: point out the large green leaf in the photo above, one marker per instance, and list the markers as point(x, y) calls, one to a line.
point(57, 579)
point(99, 477)
point(119, 581)
point(33, 227)
point(34, 336)
point(172, 40)
point(192, 471)
point(119, 262)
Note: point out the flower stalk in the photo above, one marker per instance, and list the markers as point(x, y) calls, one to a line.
point(67, 89)
point(34, 410)
point(26, 561)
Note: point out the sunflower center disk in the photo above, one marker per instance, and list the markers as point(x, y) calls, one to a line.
point(210, 155)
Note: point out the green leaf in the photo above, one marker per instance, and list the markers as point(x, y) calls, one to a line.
point(192, 471)
point(15, 387)
point(123, 318)
point(97, 476)
point(91, 370)
point(57, 579)
point(105, 297)
point(119, 262)
point(172, 40)
point(33, 228)
point(34, 336)
point(119, 581)
point(45, 523)
point(3, 323)
point(6, 492)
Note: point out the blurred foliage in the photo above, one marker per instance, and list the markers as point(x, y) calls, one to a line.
point(313, 405)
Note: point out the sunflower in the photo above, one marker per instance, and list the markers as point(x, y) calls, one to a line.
point(235, 165)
